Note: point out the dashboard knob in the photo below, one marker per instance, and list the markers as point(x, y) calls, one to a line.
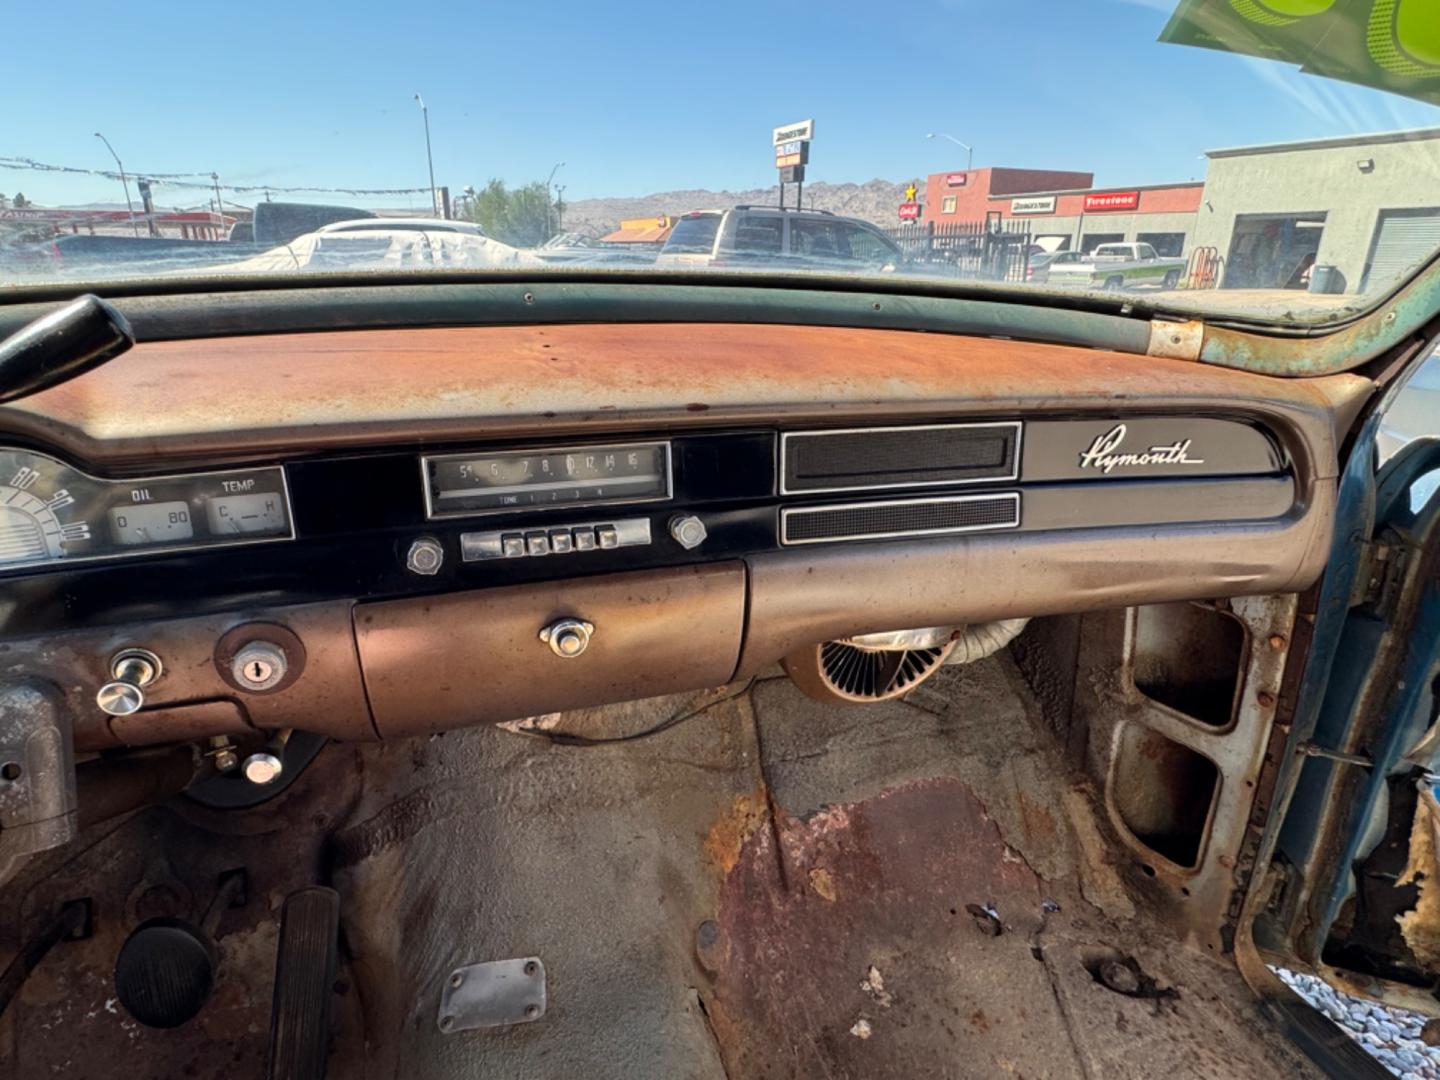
point(425, 556)
point(568, 638)
point(688, 531)
point(263, 767)
point(131, 670)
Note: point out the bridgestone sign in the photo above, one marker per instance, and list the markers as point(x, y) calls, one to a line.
point(1044, 204)
point(803, 130)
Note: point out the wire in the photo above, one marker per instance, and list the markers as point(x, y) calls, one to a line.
point(565, 738)
point(201, 180)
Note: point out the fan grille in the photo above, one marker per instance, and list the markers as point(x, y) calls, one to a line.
point(874, 675)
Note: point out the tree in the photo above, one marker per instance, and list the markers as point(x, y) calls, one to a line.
point(520, 217)
point(20, 202)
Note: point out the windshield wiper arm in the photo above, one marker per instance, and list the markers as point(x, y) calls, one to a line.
point(57, 347)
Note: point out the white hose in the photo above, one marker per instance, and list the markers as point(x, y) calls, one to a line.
point(985, 639)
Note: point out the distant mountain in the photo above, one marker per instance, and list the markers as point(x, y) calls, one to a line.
point(875, 201)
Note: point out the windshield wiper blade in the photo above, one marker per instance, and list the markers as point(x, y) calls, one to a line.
point(57, 347)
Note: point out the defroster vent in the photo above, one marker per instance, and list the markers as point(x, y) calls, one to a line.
point(900, 517)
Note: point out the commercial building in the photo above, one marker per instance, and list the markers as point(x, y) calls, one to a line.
point(1064, 211)
point(1361, 209)
point(1341, 214)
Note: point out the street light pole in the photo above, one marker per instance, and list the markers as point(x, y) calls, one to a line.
point(969, 151)
point(560, 206)
point(548, 198)
point(123, 182)
point(430, 161)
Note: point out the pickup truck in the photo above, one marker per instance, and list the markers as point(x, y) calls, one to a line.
point(1120, 266)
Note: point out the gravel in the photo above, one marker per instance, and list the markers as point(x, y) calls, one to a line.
point(1390, 1035)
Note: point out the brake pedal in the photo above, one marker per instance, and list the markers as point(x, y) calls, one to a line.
point(305, 963)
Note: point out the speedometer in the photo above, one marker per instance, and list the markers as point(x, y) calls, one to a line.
point(32, 528)
point(51, 512)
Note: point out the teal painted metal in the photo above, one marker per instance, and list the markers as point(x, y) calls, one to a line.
point(1404, 315)
point(347, 305)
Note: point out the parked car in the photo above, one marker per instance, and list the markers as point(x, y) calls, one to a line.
point(402, 224)
point(1037, 270)
point(771, 237)
point(383, 249)
point(1120, 266)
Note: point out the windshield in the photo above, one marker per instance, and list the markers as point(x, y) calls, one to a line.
point(1277, 160)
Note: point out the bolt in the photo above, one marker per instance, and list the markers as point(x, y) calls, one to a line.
point(226, 760)
point(529, 297)
point(707, 934)
point(425, 556)
point(1277, 641)
point(1120, 977)
point(1266, 699)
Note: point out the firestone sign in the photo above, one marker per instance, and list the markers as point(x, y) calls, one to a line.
point(1112, 200)
point(956, 179)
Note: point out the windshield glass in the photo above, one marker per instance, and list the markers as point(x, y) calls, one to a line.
point(1277, 160)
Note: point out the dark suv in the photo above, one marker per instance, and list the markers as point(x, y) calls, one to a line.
point(767, 236)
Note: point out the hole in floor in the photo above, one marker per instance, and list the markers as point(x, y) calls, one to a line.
point(1189, 657)
point(1163, 792)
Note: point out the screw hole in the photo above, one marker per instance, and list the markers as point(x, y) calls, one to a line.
point(456, 979)
point(1149, 870)
point(875, 307)
point(1184, 891)
point(529, 297)
point(10, 770)
point(532, 1011)
point(531, 967)
point(447, 1022)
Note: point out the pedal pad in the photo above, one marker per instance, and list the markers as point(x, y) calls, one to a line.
point(304, 978)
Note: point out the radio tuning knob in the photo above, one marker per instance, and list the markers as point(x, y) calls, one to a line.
point(688, 531)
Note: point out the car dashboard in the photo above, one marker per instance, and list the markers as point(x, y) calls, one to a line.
point(371, 534)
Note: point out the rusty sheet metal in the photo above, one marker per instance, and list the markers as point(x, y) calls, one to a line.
point(855, 947)
point(364, 388)
point(1407, 314)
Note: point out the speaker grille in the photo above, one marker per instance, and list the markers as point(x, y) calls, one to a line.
point(907, 517)
point(858, 460)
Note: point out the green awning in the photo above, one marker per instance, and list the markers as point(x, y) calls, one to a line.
point(1391, 45)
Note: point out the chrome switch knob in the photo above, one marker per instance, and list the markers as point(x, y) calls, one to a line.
point(568, 638)
point(131, 670)
point(688, 531)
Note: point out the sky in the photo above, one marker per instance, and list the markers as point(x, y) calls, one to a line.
point(633, 97)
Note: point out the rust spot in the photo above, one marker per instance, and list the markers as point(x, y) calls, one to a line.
point(1266, 699)
point(894, 867)
point(979, 1021)
point(728, 835)
point(822, 883)
point(697, 406)
point(1038, 822)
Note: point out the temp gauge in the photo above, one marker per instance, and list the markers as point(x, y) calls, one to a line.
point(51, 512)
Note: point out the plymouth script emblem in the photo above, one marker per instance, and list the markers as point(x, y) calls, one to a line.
point(1104, 453)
